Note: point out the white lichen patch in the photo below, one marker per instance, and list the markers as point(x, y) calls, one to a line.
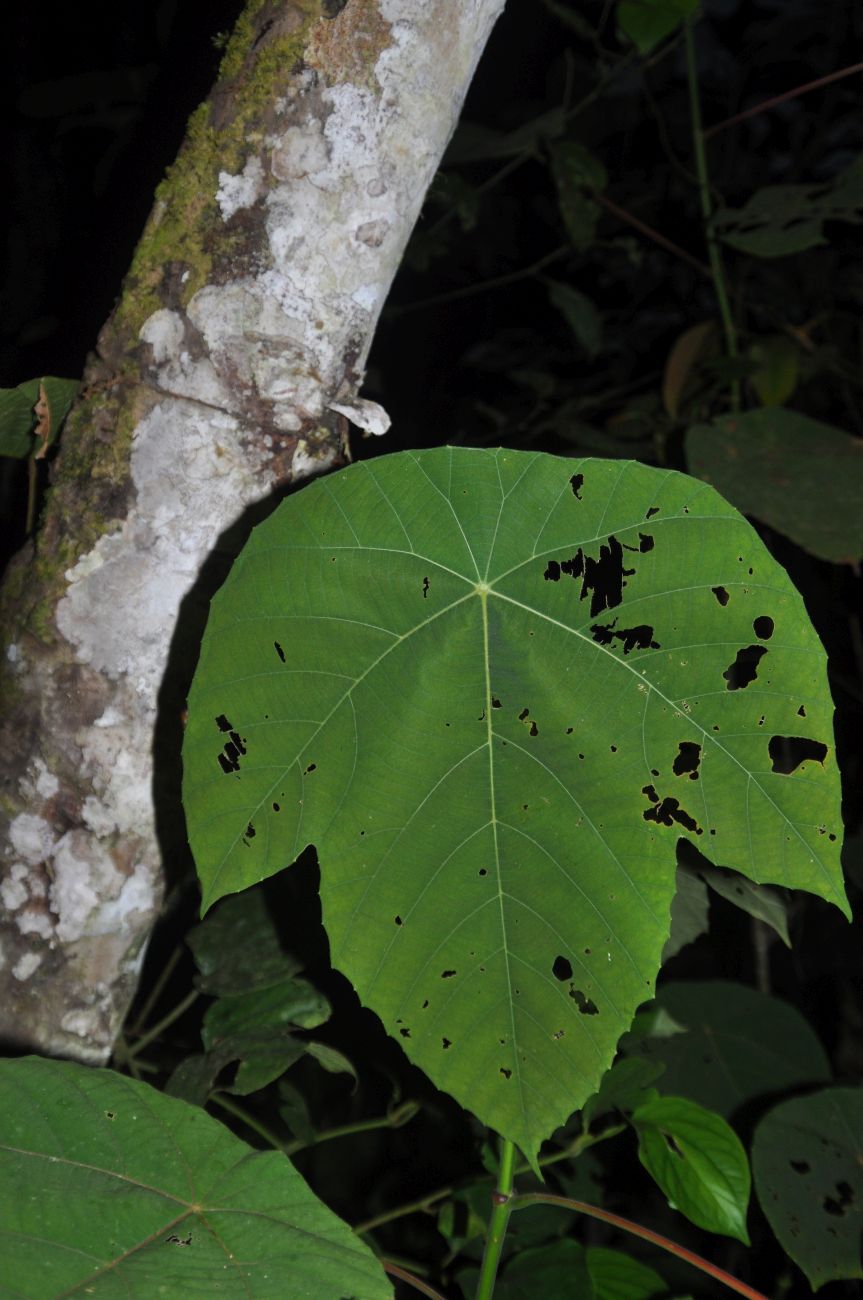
point(164, 331)
point(192, 476)
point(89, 896)
point(32, 837)
point(13, 888)
point(26, 964)
point(236, 192)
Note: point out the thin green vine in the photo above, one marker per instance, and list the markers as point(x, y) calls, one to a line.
point(713, 254)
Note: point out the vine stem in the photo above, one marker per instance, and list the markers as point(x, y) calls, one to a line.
point(637, 1230)
point(781, 99)
point(501, 1199)
point(713, 254)
point(396, 1270)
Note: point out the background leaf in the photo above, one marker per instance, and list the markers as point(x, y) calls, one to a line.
point(807, 1160)
point(18, 419)
point(616, 1276)
point(108, 1187)
point(493, 689)
point(698, 1161)
point(782, 219)
point(647, 22)
point(739, 1045)
point(803, 478)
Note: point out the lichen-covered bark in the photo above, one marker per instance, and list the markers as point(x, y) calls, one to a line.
point(228, 370)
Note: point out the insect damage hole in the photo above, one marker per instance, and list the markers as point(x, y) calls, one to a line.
point(788, 752)
point(744, 670)
point(576, 483)
point(721, 594)
point(425, 587)
point(561, 969)
point(688, 759)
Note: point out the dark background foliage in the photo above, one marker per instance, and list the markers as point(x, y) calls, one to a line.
point(472, 348)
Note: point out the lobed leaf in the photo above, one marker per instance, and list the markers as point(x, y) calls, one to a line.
point(494, 689)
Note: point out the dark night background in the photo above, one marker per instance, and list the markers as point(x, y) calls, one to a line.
point(471, 349)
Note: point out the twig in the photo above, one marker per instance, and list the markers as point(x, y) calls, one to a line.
point(781, 99)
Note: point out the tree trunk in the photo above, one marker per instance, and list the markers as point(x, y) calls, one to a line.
point(225, 373)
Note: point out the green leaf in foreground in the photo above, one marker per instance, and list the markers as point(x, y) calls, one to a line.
point(698, 1161)
point(803, 478)
point(110, 1188)
point(494, 689)
point(807, 1161)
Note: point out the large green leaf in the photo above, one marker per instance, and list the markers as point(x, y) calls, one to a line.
point(493, 689)
point(109, 1188)
point(803, 478)
point(807, 1160)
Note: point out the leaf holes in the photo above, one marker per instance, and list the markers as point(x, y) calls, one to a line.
point(405, 1032)
point(445, 1043)
point(425, 588)
point(523, 715)
point(588, 952)
point(277, 807)
point(688, 759)
point(721, 594)
point(561, 969)
point(447, 974)
point(505, 1073)
point(763, 627)
point(249, 833)
point(279, 651)
point(398, 920)
point(788, 752)
point(110, 1114)
point(654, 510)
point(557, 1035)
point(665, 812)
point(234, 749)
point(801, 712)
point(552, 572)
point(425, 1004)
point(744, 670)
point(312, 767)
point(576, 483)
point(569, 731)
point(672, 1145)
point(839, 1204)
point(483, 871)
point(586, 1005)
point(633, 638)
point(495, 703)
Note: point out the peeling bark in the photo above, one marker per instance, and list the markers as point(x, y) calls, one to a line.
point(226, 372)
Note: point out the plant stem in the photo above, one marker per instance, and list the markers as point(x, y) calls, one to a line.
point(500, 1203)
point(519, 1202)
point(424, 1203)
point(156, 991)
point(781, 99)
point(32, 490)
point(161, 1025)
point(417, 1283)
point(240, 1113)
point(713, 254)
point(401, 1115)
